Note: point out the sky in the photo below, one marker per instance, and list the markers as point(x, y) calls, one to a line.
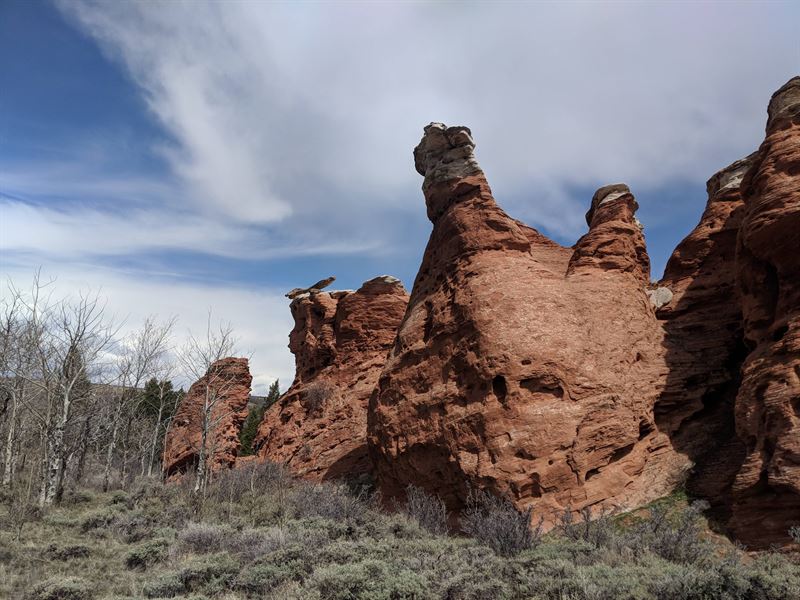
point(187, 157)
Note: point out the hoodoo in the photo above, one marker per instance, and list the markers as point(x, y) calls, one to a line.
point(521, 366)
point(223, 392)
point(340, 341)
point(766, 490)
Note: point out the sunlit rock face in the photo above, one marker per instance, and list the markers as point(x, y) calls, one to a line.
point(340, 341)
point(223, 392)
point(521, 366)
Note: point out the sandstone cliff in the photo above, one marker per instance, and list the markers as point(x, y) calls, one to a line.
point(224, 390)
point(766, 491)
point(340, 341)
point(521, 366)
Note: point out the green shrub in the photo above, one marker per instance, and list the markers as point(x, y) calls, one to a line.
point(368, 580)
point(119, 497)
point(167, 585)
point(262, 578)
point(67, 552)
point(61, 588)
point(101, 518)
point(146, 554)
point(213, 570)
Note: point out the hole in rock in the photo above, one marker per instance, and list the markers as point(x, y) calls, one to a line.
point(778, 334)
point(796, 406)
point(538, 386)
point(591, 473)
point(645, 428)
point(499, 387)
point(620, 453)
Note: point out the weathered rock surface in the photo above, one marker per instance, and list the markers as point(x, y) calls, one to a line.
point(703, 340)
point(340, 341)
point(766, 491)
point(521, 366)
point(223, 392)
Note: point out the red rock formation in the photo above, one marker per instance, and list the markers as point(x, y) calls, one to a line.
point(704, 347)
point(766, 491)
point(521, 366)
point(340, 341)
point(224, 392)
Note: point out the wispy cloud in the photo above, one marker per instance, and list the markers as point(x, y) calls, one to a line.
point(262, 97)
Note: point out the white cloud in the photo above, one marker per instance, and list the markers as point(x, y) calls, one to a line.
point(260, 318)
point(262, 97)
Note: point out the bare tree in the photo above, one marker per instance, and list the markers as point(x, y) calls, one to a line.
point(197, 358)
point(142, 354)
point(61, 345)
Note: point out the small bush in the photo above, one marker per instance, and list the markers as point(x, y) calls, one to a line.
point(167, 585)
point(598, 530)
point(262, 578)
point(427, 510)
point(98, 519)
point(677, 539)
point(794, 533)
point(61, 588)
point(498, 524)
point(203, 538)
point(316, 396)
point(67, 552)
point(368, 579)
point(119, 497)
point(146, 554)
point(215, 571)
point(132, 527)
point(329, 501)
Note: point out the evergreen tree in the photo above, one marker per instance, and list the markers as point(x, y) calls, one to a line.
point(254, 417)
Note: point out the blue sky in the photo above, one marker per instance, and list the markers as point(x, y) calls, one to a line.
point(194, 156)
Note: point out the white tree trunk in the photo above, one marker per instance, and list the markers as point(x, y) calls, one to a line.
point(11, 444)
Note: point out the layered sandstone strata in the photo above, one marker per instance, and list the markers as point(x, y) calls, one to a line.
point(340, 341)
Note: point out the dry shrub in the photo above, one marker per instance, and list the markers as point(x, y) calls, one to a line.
point(316, 396)
point(427, 510)
point(497, 523)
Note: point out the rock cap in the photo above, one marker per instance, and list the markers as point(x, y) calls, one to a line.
point(445, 153)
point(605, 195)
point(784, 104)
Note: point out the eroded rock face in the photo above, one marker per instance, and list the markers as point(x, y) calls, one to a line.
point(340, 341)
point(224, 391)
point(521, 366)
point(703, 340)
point(766, 490)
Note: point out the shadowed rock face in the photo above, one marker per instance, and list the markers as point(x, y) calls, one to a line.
point(225, 389)
point(703, 341)
point(340, 341)
point(521, 366)
point(766, 491)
